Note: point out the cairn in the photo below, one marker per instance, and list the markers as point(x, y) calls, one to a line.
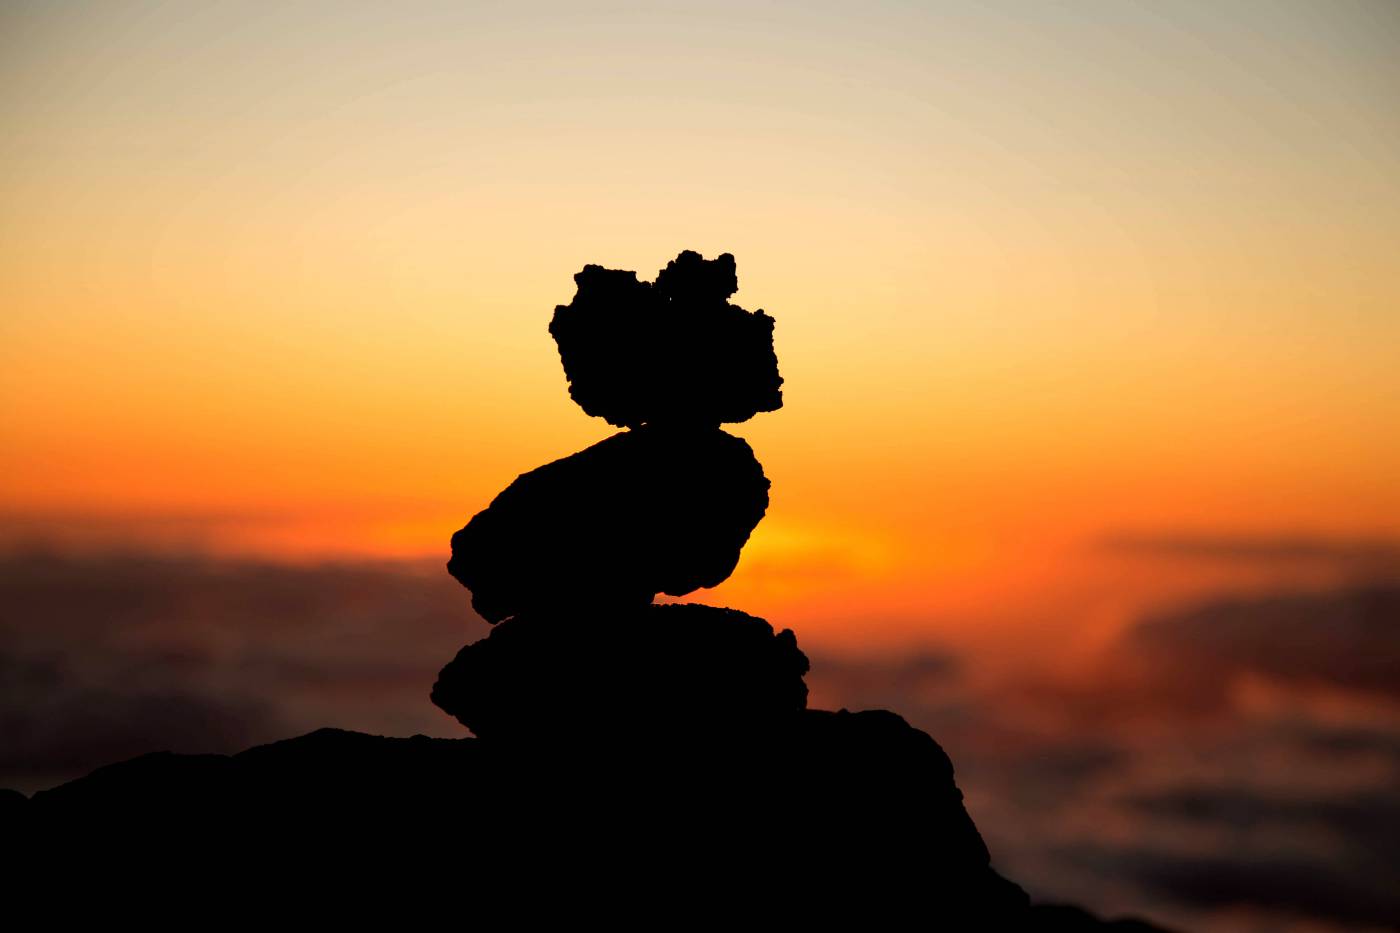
point(567, 560)
point(679, 733)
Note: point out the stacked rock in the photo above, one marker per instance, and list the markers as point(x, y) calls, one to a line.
point(567, 560)
point(667, 749)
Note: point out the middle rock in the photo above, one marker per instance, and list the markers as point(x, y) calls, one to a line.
point(652, 510)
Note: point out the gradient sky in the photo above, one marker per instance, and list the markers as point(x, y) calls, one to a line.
point(1089, 315)
point(276, 277)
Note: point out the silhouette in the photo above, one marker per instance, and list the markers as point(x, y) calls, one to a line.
point(674, 351)
point(659, 509)
point(654, 671)
point(631, 760)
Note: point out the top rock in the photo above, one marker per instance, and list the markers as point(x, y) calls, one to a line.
point(673, 351)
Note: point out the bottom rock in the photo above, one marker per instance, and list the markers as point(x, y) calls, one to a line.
point(654, 673)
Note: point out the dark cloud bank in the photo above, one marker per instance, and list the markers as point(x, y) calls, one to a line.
point(1376, 557)
point(1232, 764)
point(1347, 638)
point(108, 657)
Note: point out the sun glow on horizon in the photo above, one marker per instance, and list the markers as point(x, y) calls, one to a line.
point(276, 281)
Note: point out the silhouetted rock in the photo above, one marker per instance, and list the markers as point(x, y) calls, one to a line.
point(826, 811)
point(853, 813)
point(678, 351)
point(13, 806)
point(654, 510)
point(1066, 918)
point(672, 672)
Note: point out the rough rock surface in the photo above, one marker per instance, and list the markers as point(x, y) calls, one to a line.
point(653, 510)
point(656, 672)
point(636, 353)
point(843, 814)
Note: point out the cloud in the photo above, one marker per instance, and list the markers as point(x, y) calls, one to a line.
point(1373, 557)
point(103, 657)
point(1286, 885)
point(71, 730)
point(1348, 638)
point(864, 681)
point(1366, 823)
point(1249, 747)
point(1207, 776)
point(1217, 753)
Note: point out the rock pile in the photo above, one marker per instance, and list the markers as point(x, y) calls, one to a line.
point(707, 705)
point(571, 554)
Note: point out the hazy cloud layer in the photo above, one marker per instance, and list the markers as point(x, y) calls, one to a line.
point(105, 657)
point(1374, 556)
point(1229, 765)
point(1347, 638)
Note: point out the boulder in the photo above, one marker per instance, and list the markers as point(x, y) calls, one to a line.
point(654, 510)
point(675, 351)
point(663, 674)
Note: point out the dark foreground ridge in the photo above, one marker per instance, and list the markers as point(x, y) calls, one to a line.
point(838, 812)
point(632, 761)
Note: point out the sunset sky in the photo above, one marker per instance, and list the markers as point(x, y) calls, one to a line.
point(1083, 308)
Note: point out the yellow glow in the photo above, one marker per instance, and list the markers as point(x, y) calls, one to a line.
point(1036, 278)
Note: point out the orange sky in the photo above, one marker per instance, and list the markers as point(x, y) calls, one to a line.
point(277, 279)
